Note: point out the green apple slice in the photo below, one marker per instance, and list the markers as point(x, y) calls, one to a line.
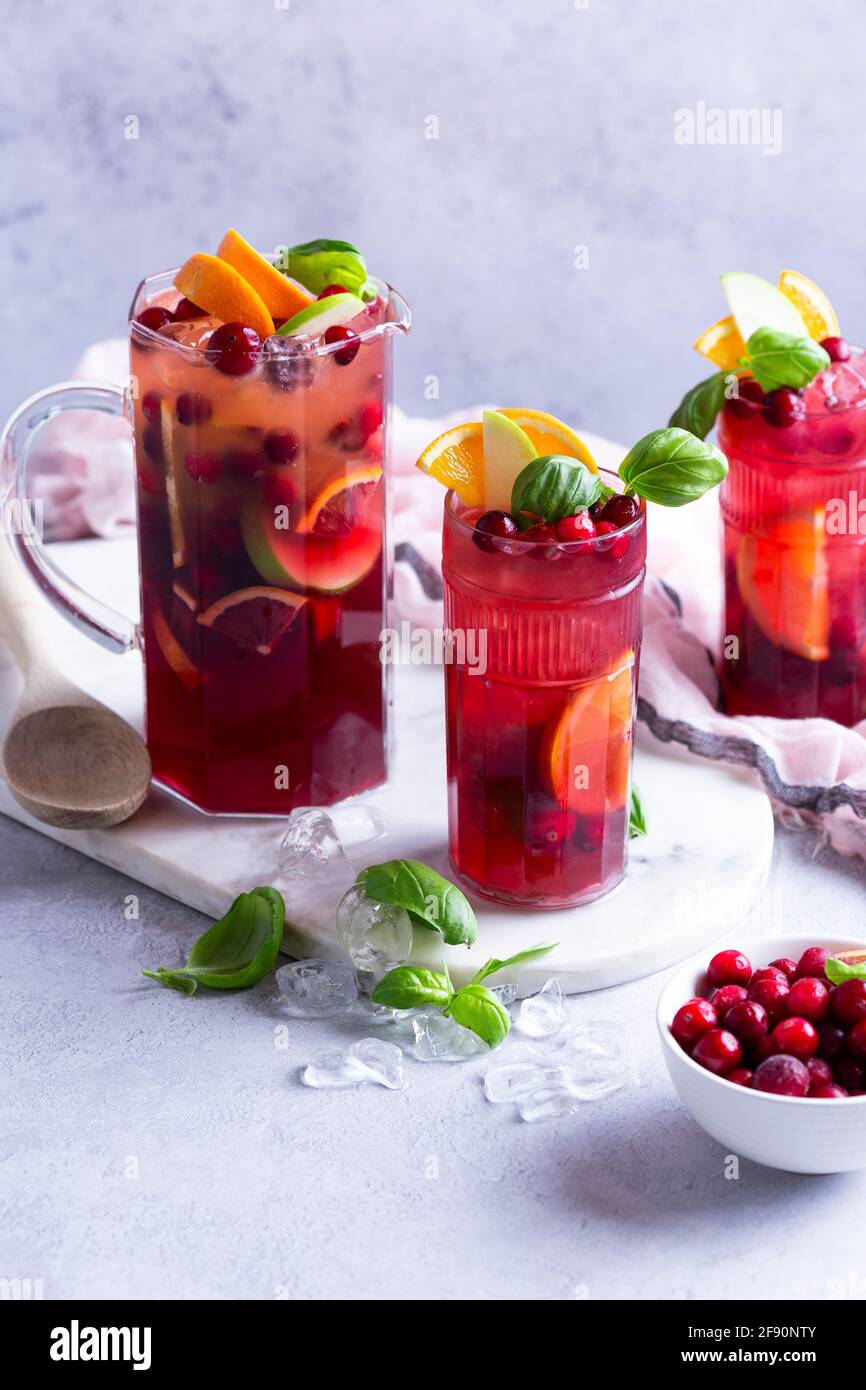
point(321, 315)
point(755, 303)
point(507, 451)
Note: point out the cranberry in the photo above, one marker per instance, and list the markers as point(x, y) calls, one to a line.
point(857, 1041)
point(741, 1076)
point(546, 828)
point(812, 964)
point(785, 407)
point(499, 524)
point(787, 966)
point(621, 511)
point(597, 508)
point(749, 394)
point(616, 547)
point(155, 317)
point(850, 1074)
point(747, 1019)
point(773, 995)
point(151, 438)
point(185, 309)
point(281, 446)
point(828, 1091)
point(831, 1041)
point(369, 418)
point(245, 463)
point(849, 1002)
point(579, 527)
point(724, 1000)
point(729, 968)
point(234, 348)
point(280, 489)
point(820, 1071)
point(762, 1049)
point(782, 1076)
point(795, 1037)
point(338, 333)
point(837, 349)
point(540, 532)
point(225, 540)
point(150, 404)
point(693, 1019)
point(203, 468)
point(717, 1051)
point(809, 998)
point(332, 289)
point(768, 972)
point(192, 408)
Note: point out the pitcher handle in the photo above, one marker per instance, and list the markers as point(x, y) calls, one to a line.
point(86, 612)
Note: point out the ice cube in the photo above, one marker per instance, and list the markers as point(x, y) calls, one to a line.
point(377, 936)
point(317, 988)
point(506, 994)
point(192, 333)
point(542, 1014)
point(397, 1021)
point(383, 1060)
point(368, 1061)
point(311, 844)
point(439, 1039)
point(546, 1103)
point(593, 1058)
point(514, 1081)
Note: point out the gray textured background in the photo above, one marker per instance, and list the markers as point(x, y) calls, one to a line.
point(556, 130)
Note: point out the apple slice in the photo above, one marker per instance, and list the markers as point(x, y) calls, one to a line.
point(755, 303)
point(321, 315)
point(507, 451)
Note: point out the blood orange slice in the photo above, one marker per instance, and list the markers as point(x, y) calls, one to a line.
point(342, 504)
point(783, 579)
point(256, 619)
point(586, 751)
point(174, 654)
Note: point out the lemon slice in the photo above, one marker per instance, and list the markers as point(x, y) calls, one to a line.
point(812, 303)
point(456, 459)
point(549, 435)
point(755, 303)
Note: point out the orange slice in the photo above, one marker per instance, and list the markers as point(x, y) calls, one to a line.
point(173, 652)
point(282, 297)
point(341, 503)
point(219, 289)
point(549, 435)
point(172, 491)
point(783, 580)
point(817, 311)
point(456, 459)
point(722, 344)
point(586, 751)
point(256, 619)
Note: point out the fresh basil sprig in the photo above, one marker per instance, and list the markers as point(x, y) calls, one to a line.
point(474, 1006)
point(237, 951)
point(317, 264)
point(430, 900)
point(782, 359)
point(672, 466)
point(554, 486)
point(637, 822)
point(838, 971)
point(699, 407)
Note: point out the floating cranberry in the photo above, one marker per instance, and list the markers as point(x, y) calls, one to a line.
point(782, 1076)
point(820, 1071)
point(234, 348)
point(729, 968)
point(837, 349)
point(809, 998)
point(203, 468)
point(369, 418)
point(749, 395)
point(546, 828)
point(155, 317)
point(332, 289)
point(338, 333)
point(610, 545)
point(192, 408)
point(828, 1091)
point(784, 407)
point(150, 405)
point(857, 1041)
point(494, 524)
point(541, 532)
point(850, 1074)
point(812, 964)
point(724, 1000)
point(185, 309)
point(717, 1051)
point(621, 511)
point(747, 1020)
point(849, 1002)
point(773, 996)
point(787, 966)
point(579, 527)
point(741, 1076)
point(245, 463)
point(795, 1037)
point(281, 446)
point(693, 1019)
point(151, 438)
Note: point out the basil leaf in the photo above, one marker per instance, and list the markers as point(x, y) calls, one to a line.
point(430, 899)
point(317, 264)
point(494, 965)
point(238, 950)
point(699, 407)
point(408, 986)
point(838, 971)
point(477, 1008)
point(637, 824)
point(782, 359)
point(554, 486)
point(672, 466)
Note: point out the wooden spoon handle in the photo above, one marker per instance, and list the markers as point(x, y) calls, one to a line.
point(22, 613)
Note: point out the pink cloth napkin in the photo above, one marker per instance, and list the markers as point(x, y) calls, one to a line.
point(813, 770)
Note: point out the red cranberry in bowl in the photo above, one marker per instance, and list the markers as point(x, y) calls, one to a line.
point(747, 1020)
point(234, 348)
point(787, 966)
point(820, 1071)
point(729, 968)
point(850, 1074)
point(693, 1019)
point(773, 996)
point(499, 524)
point(809, 998)
point(782, 1076)
point(830, 1091)
point(857, 1041)
point(741, 1076)
point(769, 972)
point(725, 998)
point(812, 964)
point(831, 1041)
point(717, 1051)
point(795, 1037)
point(849, 1002)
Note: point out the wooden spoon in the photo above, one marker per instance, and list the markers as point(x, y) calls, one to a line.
point(69, 761)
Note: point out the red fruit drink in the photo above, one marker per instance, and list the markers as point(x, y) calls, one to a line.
point(540, 708)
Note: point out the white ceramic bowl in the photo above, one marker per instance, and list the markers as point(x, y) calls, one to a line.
point(799, 1136)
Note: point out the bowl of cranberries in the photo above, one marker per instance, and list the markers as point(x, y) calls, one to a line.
point(766, 1046)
